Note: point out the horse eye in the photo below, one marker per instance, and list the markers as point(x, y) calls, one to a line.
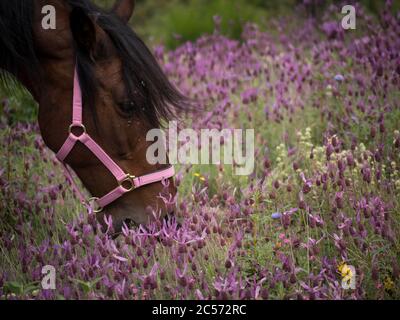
point(127, 106)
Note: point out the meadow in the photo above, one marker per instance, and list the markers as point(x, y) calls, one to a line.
point(322, 204)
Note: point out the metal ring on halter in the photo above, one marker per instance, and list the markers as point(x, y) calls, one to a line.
point(79, 125)
point(92, 201)
point(129, 179)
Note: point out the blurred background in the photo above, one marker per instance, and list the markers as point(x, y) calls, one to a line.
point(172, 22)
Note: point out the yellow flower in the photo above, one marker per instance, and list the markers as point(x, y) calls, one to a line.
point(388, 283)
point(198, 175)
point(344, 270)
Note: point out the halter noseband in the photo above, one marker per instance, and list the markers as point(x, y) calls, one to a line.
point(126, 182)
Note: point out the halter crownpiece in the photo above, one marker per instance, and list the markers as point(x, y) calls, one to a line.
point(126, 182)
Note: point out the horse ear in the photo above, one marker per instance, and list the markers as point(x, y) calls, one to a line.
point(84, 31)
point(124, 9)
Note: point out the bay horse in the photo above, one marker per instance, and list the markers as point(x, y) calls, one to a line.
point(95, 56)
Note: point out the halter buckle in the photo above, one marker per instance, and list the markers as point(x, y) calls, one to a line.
point(127, 180)
point(93, 203)
point(77, 125)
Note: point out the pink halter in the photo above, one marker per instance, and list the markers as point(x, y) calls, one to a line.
point(126, 182)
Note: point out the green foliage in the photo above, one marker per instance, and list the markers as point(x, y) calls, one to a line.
point(18, 289)
point(188, 20)
point(18, 102)
point(376, 6)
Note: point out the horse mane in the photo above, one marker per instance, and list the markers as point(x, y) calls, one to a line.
point(141, 72)
point(17, 50)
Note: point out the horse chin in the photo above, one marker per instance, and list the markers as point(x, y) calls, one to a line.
point(131, 216)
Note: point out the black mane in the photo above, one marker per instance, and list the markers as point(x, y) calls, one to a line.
point(141, 72)
point(16, 41)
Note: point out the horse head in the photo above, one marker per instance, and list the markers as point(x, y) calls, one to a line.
point(124, 91)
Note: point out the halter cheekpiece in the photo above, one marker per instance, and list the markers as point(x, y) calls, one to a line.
point(126, 181)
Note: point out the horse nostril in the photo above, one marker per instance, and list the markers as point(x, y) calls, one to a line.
point(168, 216)
point(171, 216)
point(129, 223)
